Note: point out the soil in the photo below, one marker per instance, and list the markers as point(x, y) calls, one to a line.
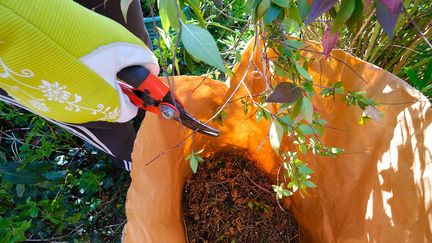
point(230, 200)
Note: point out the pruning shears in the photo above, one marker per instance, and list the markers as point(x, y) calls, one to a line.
point(150, 93)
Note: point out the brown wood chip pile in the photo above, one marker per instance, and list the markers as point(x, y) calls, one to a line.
point(230, 200)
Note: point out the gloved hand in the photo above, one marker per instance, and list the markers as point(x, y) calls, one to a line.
point(66, 67)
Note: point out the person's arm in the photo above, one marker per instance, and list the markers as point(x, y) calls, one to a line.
point(111, 9)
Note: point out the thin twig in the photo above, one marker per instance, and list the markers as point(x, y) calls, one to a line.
point(255, 184)
point(416, 26)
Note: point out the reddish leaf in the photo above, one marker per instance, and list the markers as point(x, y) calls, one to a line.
point(285, 93)
point(319, 7)
point(392, 5)
point(386, 18)
point(329, 41)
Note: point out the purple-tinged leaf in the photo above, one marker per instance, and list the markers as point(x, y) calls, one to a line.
point(319, 7)
point(373, 113)
point(392, 5)
point(329, 41)
point(386, 18)
point(285, 93)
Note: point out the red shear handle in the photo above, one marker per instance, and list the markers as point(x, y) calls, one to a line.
point(150, 93)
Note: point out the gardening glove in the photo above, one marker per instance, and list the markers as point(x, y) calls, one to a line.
point(65, 68)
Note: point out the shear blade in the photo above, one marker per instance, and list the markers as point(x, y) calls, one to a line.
point(194, 124)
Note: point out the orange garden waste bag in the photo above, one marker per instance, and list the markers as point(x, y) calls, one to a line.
point(379, 190)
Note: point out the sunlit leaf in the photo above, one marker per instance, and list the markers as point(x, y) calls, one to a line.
point(310, 184)
point(306, 109)
point(275, 134)
point(294, 13)
point(165, 37)
point(319, 7)
point(329, 41)
point(272, 13)
point(306, 129)
point(124, 7)
point(304, 8)
point(386, 17)
point(262, 8)
point(201, 45)
point(303, 149)
point(282, 3)
point(345, 11)
point(413, 77)
point(304, 169)
point(169, 14)
point(285, 92)
point(303, 72)
point(193, 164)
point(356, 15)
point(20, 189)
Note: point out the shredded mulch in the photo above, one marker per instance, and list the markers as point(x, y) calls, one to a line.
point(230, 200)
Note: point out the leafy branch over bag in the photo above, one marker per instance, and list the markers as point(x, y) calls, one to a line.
point(281, 25)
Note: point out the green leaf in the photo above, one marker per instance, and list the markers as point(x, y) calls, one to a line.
point(201, 45)
point(413, 78)
point(306, 109)
point(259, 115)
point(189, 156)
point(11, 173)
point(309, 183)
point(293, 13)
point(54, 175)
point(358, 12)
point(303, 149)
point(282, 3)
point(305, 170)
point(303, 72)
point(294, 44)
point(428, 72)
point(262, 8)
point(199, 159)
point(252, 5)
point(165, 37)
point(193, 162)
point(124, 6)
point(276, 132)
point(290, 25)
point(20, 189)
point(287, 120)
point(169, 14)
point(306, 129)
point(33, 212)
point(272, 13)
point(345, 11)
point(304, 8)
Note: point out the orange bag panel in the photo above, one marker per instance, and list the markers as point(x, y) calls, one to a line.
point(379, 190)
